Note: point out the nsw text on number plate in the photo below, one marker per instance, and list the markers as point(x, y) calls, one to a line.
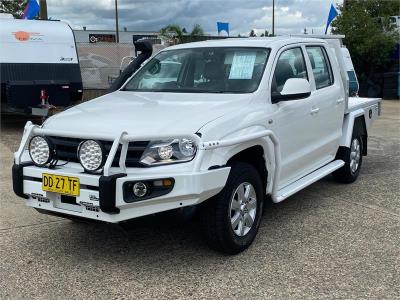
point(60, 184)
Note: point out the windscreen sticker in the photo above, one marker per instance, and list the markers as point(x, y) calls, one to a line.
point(242, 65)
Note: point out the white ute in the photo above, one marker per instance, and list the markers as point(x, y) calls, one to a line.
point(232, 122)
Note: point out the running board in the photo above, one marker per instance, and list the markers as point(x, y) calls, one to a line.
point(308, 180)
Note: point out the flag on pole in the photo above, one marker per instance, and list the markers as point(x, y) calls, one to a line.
point(222, 27)
point(332, 15)
point(31, 10)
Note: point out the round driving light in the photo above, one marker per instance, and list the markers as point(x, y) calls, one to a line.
point(40, 150)
point(91, 155)
point(165, 152)
point(139, 189)
point(187, 147)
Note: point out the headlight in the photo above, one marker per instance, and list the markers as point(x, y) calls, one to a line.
point(40, 150)
point(169, 152)
point(91, 155)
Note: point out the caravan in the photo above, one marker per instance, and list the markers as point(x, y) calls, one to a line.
point(39, 66)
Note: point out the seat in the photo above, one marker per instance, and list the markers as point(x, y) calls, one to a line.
point(283, 72)
point(215, 76)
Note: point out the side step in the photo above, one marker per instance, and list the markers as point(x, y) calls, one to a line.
point(308, 180)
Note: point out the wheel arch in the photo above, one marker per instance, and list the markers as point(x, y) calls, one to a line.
point(255, 156)
point(354, 123)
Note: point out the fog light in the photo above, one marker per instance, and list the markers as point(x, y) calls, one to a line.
point(140, 189)
point(91, 155)
point(40, 150)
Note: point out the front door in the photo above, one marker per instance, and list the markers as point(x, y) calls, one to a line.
point(294, 121)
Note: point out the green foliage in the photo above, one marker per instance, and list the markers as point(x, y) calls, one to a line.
point(197, 30)
point(14, 7)
point(180, 35)
point(369, 38)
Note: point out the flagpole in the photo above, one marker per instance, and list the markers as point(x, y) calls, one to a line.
point(43, 10)
point(116, 22)
point(273, 17)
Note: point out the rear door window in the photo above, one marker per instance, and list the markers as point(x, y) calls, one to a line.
point(321, 66)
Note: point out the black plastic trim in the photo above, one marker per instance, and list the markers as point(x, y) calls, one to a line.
point(216, 167)
point(107, 186)
point(153, 191)
point(18, 179)
point(360, 129)
point(278, 97)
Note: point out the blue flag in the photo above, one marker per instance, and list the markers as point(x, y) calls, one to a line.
point(332, 15)
point(223, 27)
point(31, 10)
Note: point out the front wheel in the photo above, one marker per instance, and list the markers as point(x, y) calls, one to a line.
point(231, 219)
point(352, 158)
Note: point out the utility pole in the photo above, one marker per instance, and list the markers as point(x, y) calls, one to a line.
point(43, 9)
point(273, 17)
point(116, 21)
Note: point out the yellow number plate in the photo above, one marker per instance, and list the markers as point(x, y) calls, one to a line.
point(60, 184)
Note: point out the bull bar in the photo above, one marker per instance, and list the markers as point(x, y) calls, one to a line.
point(124, 138)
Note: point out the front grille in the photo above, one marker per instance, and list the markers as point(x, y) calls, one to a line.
point(66, 149)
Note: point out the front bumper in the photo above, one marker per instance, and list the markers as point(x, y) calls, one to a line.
point(101, 197)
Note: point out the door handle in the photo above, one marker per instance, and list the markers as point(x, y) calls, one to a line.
point(314, 110)
point(340, 100)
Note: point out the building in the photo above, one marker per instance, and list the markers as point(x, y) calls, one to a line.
point(125, 37)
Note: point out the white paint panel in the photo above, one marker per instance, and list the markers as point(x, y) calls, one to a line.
point(33, 41)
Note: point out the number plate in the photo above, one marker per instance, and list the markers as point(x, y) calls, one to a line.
point(60, 184)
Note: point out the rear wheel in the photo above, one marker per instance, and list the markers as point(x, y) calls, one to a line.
point(231, 219)
point(353, 160)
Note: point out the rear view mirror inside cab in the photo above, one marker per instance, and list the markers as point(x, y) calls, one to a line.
point(293, 89)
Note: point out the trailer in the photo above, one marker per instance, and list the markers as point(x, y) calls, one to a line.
point(39, 66)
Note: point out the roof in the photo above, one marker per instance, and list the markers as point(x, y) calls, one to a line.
point(262, 42)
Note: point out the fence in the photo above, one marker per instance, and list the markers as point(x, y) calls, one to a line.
point(100, 62)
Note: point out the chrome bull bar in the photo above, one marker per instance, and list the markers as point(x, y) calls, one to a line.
point(124, 138)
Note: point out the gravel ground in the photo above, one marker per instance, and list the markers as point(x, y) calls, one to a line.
point(328, 241)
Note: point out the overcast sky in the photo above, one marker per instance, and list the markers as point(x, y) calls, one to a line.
point(292, 16)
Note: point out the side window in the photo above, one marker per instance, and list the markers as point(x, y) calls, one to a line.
point(290, 64)
point(321, 67)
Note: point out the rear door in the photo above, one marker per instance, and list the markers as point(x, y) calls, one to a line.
point(328, 94)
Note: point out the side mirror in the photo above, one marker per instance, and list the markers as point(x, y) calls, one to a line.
point(293, 89)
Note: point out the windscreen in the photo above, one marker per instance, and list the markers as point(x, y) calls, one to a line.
point(202, 70)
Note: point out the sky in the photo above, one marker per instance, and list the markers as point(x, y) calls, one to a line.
point(291, 16)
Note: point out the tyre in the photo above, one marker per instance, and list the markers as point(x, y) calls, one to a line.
point(231, 219)
point(352, 158)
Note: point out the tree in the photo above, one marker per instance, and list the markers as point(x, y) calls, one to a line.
point(197, 31)
point(369, 37)
point(180, 35)
point(16, 8)
point(252, 33)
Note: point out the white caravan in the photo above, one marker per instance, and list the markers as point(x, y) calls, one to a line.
point(39, 66)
